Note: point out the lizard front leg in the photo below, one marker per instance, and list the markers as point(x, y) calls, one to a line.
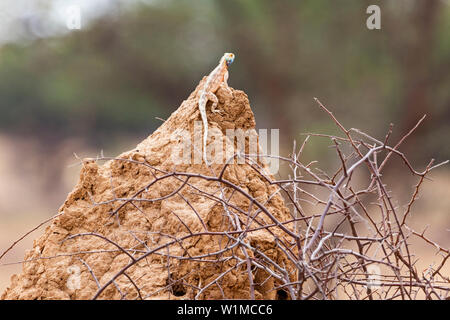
point(225, 81)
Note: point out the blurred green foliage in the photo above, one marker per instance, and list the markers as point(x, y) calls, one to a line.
point(113, 77)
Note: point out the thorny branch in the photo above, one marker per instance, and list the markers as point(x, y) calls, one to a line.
point(351, 242)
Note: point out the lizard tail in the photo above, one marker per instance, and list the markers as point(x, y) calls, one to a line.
point(202, 106)
point(205, 138)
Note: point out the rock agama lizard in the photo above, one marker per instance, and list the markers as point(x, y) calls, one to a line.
point(218, 76)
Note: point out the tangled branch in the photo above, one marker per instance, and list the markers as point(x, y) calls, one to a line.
point(351, 243)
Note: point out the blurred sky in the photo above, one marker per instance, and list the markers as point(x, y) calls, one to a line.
point(49, 17)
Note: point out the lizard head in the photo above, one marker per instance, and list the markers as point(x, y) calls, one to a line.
point(229, 58)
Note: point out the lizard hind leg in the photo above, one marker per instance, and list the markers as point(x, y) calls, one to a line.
point(215, 102)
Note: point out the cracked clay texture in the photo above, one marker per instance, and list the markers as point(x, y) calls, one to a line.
point(61, 267)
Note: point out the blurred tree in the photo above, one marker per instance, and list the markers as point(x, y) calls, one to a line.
point(112, 78)
point(422, 67)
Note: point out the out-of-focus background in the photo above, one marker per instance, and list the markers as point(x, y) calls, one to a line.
point(98, 83)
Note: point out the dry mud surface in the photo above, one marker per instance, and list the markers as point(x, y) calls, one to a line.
point(82, 250)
